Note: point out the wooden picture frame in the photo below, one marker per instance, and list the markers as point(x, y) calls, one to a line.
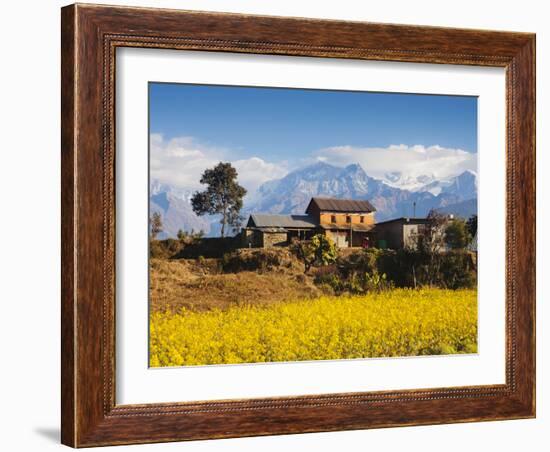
point(90, 36)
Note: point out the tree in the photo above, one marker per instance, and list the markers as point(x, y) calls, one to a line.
point(155, 223)
point(429, 243)
point(472, 225)
point(320, 250)
point(223, 196)
point(182, 235)
point(457, 235)
point(430, 238)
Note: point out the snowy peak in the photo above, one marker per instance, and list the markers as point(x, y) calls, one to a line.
point(398, 179)
point(464, 185)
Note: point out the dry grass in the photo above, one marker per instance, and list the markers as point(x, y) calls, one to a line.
point(200, 286)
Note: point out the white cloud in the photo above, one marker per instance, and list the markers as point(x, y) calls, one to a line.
point(412, 161)
point(180, 162)
point(254, 171)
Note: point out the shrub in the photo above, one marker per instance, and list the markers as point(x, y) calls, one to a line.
point(457, 270)
point(330, 277)
point(255, 260)
point(457, 234)
point(164, 249)
point(318, 251)
point(410, 268)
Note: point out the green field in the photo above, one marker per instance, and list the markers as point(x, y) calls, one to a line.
point(398, 322)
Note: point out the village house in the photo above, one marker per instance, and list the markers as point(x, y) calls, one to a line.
point(399, 232)
point(349, 223)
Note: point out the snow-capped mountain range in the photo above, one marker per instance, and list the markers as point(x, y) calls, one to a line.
point(395, 195)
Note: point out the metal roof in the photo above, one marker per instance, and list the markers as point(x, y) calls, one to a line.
point(261, 220)
point(342, 205)
point(406, 220)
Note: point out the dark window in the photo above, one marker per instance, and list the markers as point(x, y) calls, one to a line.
point(333, 218)
point(348, 219)
point(362, 219)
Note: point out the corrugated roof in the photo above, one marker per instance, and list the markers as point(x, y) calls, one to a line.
point(261, 220)
point(342, 205)
point(406, 220)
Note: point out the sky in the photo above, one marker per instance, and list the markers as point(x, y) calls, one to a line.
point(267, 132)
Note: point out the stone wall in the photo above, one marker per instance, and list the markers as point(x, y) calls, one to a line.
point(271, 239)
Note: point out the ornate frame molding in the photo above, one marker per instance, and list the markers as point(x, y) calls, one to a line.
point(90, 37)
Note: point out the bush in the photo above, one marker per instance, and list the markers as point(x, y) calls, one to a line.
point(457, 270)
point(255, 260)
point(318, 251)
point(457, 234)
point(365, 261)
point(164, 249)
point(329, 276)
point(344, 279)
point(364, 270)
point(208, 247)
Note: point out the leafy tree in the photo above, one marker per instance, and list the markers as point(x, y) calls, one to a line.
point(155, 223)
point(320, 250)
point(472, 225)
point(457, 235)
point(223, 196)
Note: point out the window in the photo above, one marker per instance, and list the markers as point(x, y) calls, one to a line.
point(362, 219)
point(333, 218)
point(348, 219)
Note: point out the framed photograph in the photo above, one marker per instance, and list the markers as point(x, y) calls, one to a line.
point(282, 225)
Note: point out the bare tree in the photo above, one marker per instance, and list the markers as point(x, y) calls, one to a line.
point(429, 241)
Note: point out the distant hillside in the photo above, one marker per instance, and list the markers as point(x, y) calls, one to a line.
point(464, 209)
point(292, 193)
point(176, 211)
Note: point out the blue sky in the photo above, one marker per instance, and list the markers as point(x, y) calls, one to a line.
point(276, 130)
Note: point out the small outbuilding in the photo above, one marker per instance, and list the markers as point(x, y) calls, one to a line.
point(399, 232)
point(266, 231)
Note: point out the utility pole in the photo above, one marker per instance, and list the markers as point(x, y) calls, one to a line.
point(414, 209)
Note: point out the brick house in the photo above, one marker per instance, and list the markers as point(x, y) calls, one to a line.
point(347, 222)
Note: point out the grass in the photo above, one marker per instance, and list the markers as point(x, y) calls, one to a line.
point(400, 322)
point(201, 286)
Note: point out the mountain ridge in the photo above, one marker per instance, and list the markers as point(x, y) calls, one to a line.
point(291, 194)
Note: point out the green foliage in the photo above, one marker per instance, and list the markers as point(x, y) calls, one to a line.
point(318, 251)
point(324, 249)
point(223, 196)
point(457, 235)
point(411, 268)
point(189, 238)
point(155, 225)
point(331, 278)
point(355, 273)
point(458, 270)
point(181, 235)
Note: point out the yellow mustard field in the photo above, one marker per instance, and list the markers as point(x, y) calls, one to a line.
point(400, 322)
